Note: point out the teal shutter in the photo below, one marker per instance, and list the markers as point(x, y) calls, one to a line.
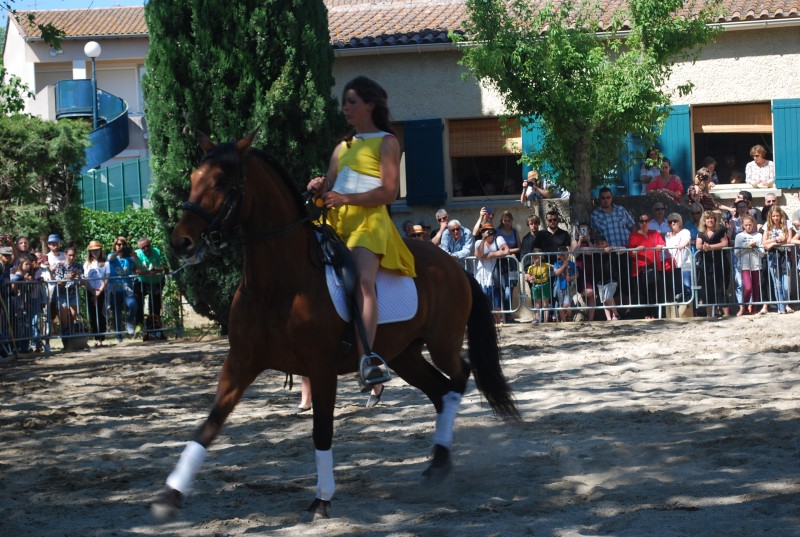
point(424, 162)
point(786, 142)
point(675, 143)
point(532, 140)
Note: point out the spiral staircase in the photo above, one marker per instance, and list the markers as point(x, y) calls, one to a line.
point(74, 100)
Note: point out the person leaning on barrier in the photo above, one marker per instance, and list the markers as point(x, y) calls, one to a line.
point(152, 268)
point(605, 274)
point(748, 250)
point(585, 276)
point(679, 244)
point(776, 236)
point(648, 267)
point(489, 248)
point(68, 276)
point(455, 242)
point(711, 270)
point(95, 270)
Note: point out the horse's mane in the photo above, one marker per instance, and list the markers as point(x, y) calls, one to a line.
point(228, 158)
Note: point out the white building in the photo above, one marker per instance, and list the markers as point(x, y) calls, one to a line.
point(747, 90)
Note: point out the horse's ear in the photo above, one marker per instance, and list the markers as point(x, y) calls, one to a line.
point(244, 144)
point(204, 141)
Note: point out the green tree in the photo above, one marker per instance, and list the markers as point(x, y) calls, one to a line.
point(40, 164)
point(586, 89)
point(227, 68)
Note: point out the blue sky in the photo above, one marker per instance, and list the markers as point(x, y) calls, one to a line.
point(25, 5)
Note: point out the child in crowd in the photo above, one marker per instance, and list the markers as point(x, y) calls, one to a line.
point(538, 278)
point(603, 274)
point(747, 247)
point(565, 271)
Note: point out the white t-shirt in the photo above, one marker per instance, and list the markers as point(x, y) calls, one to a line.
point(680, 258)
point(484, 267)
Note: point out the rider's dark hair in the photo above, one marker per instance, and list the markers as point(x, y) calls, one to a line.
point(371, 92)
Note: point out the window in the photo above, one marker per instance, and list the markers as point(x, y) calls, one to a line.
point(484, 157)
point(727, 132)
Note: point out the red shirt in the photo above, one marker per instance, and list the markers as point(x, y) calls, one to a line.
point(648, 257)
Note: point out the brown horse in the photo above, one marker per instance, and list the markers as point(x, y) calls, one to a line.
point(283, 318)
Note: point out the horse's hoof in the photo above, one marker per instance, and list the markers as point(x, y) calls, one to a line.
point(439, 468)
point(317, 510)
point(167, 507)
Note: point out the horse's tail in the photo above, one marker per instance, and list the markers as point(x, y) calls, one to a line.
point(484, 356)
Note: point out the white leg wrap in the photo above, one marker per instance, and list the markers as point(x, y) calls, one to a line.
point(443, 436)
point(191, 459)
point(325, 483)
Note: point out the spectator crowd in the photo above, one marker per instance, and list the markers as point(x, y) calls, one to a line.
point(67, 291)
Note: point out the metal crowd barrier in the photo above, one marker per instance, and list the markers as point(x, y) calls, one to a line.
point(34, 312)
point(721, 282)
point(499, 278)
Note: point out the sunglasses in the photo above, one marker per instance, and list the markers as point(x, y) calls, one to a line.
point(442, 219)
point(658, 208)
point(672, 221)
point(552, 219)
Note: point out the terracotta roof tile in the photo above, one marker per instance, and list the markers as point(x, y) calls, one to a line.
point(370, 23)
point(93, 22)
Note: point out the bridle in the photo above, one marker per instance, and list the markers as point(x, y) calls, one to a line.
point(214, 233)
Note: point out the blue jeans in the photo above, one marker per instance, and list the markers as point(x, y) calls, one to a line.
point(117, 299)
point(779, 275)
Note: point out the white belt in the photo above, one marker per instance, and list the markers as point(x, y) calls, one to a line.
point(351, 182)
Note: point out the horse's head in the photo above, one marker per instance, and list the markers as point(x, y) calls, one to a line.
point(215, 200)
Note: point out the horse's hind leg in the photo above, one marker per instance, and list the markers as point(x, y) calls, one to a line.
point(233, 381)
point(445, 394)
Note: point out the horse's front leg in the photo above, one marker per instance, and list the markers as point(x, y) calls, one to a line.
point(323, 397)
point(233, 381)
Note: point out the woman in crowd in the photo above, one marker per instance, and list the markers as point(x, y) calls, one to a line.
point(95, 270)
point(666, 183)
point(711, 269)
point(647, 262)
point(678, 241)
point(760, 172)
point(775, 239)
point(120, 270)
point(710, 164)
point(509, 234)
point(488, 249)
point(748, 250)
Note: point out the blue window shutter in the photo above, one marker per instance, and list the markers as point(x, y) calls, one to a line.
point(675, 143)
point(424, 162)
point(532, 139)
point(786, 142)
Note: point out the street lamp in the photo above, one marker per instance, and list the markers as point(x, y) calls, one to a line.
point(92, 51)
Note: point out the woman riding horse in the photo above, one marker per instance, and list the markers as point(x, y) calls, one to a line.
point(364, 176)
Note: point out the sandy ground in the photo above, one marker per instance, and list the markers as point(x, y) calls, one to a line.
point(655, 428)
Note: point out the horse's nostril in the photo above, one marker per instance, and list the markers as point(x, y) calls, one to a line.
point(184, 245)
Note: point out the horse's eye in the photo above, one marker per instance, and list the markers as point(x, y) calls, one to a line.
point(221, 183)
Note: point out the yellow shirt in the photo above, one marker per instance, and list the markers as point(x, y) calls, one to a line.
point(363, 154)
point(540, 273)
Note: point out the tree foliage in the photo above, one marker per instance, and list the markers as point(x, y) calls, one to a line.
point(132, 223)
point(40, 164)
point(585, 88)
point(227, 68)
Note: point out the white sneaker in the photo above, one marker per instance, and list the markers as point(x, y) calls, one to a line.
point(129, 328)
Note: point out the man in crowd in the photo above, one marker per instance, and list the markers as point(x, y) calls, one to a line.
point(441, 219)
point(612, 221)
point(152, 267)
point(455, 242)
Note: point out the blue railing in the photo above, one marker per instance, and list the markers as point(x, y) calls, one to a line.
point(74, 100)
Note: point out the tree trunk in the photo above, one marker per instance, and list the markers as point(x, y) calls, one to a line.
point(581, 198)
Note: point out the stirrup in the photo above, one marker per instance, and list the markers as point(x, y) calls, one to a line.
point(368, 374)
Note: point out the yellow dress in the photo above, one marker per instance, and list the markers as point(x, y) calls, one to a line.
point(367, 227)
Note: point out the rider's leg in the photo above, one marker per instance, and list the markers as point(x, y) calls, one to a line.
point(368, 263)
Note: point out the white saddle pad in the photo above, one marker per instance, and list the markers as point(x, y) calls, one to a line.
point(397, 296)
